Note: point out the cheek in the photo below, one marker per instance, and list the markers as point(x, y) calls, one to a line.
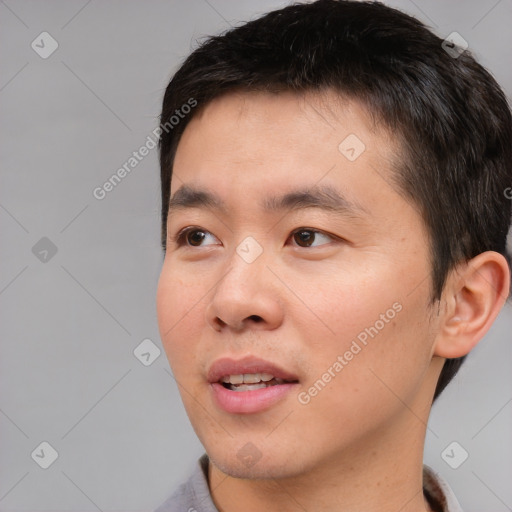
point(375, 335)
point(180, 314)
point(345, 305)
